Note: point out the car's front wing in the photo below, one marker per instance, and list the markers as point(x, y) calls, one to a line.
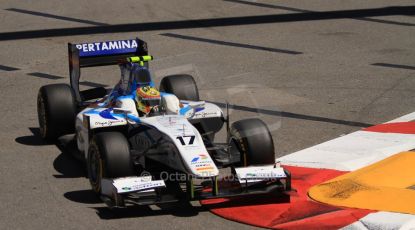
point(123, 192)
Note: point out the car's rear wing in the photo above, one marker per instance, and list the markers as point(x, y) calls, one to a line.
point(100, 54)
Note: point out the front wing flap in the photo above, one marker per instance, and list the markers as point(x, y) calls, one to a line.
point(248, 175)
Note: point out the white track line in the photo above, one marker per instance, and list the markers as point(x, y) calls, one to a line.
point(405, 118)
point(352, 151)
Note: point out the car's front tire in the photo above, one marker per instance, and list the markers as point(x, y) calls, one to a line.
point(108, 157)
point(253, 140)
point(56, 107)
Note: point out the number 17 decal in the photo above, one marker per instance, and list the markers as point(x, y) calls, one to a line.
point(186, 140)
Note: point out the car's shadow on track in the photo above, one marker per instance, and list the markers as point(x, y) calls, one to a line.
point(68, 167)
point(182, 209)
point(66, 163)
point(69, 162)
point(32, 140)
point(83, 196)
point(178, 209)
point(186, 209)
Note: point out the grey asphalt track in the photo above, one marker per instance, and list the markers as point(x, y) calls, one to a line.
point(313, 70)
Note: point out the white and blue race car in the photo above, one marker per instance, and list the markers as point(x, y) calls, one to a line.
point(142, 146)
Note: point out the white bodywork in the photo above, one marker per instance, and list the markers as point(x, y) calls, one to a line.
point(186, 138)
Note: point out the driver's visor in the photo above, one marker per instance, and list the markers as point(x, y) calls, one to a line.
point(151, 102)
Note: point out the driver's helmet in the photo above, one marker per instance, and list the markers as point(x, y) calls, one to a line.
point(147, 99)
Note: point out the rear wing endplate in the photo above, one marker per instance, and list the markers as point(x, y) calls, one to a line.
point(100, 54)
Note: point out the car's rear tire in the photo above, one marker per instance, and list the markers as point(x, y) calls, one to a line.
point(108, 157)
point(253, 140)
point(56, 107)
point(181, 85)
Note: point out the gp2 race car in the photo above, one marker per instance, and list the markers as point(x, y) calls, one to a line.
point(144, 146)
